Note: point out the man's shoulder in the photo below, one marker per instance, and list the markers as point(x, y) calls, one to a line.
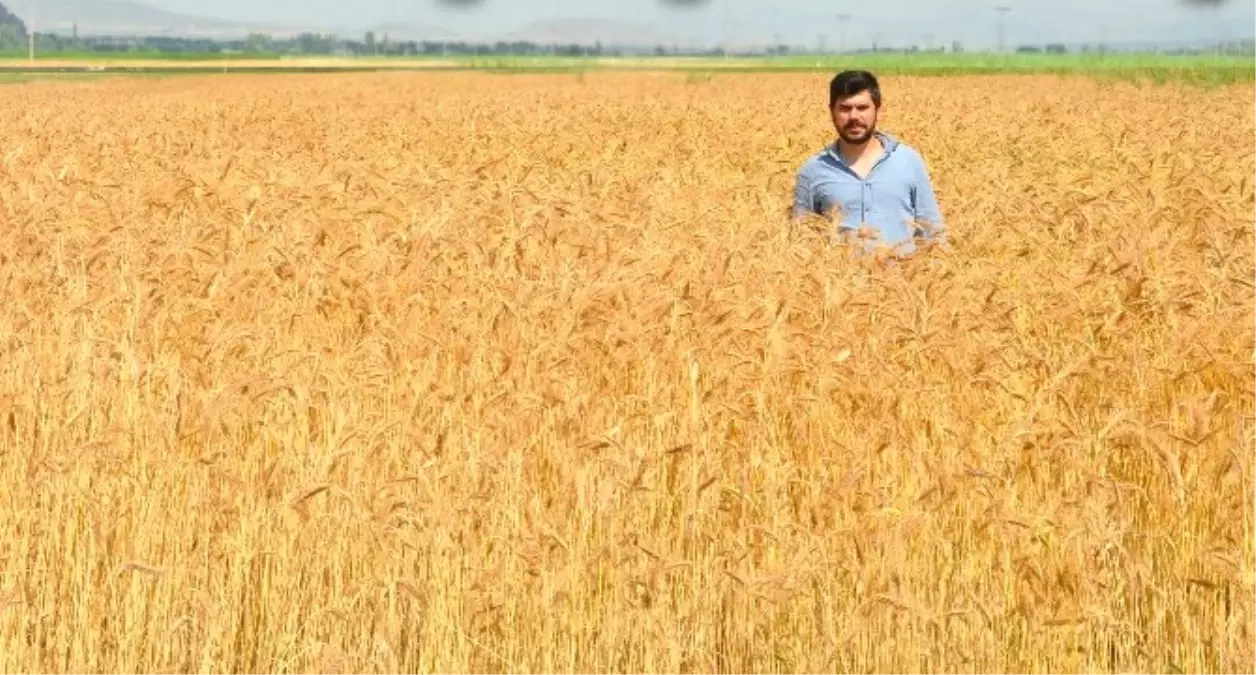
point(908, 152)
point(898, 145)
point(818, 162)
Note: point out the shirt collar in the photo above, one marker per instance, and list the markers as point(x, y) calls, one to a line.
point(888, 141)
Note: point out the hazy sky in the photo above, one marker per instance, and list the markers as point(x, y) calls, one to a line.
point(893, 22)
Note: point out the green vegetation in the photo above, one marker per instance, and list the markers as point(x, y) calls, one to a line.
point(976, 62)
point(1192, 68)
point(1206, 70)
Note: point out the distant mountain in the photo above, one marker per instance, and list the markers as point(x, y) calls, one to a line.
point(130, 18)
point(127, 18)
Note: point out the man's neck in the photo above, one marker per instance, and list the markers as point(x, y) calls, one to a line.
point(852, 153)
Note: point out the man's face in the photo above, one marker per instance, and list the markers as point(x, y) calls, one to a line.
point(855, 117)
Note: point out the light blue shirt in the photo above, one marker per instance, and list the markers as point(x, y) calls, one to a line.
point(896, 199)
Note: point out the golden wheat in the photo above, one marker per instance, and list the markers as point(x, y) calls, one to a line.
point(442, 371)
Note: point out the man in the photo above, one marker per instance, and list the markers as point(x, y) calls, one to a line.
point(877, 185)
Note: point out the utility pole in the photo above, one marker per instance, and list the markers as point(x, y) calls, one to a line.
point(30, 32)
point(1217, 29)
point(841, 41)
point(1002, 11)
point(727, 21)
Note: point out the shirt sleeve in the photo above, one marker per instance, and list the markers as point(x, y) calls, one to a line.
point(926, 203)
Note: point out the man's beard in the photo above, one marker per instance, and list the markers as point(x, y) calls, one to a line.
point(857, 134)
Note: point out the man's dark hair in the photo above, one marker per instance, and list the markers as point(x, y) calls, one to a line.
point(851, 82)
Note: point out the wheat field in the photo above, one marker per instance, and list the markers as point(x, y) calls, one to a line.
point(506, 373)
